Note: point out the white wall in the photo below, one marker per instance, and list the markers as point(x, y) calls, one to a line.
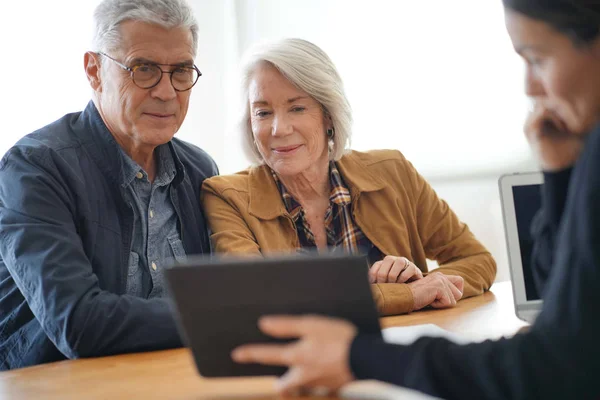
point(436, 79)
point(42, 73)
point(41, 63)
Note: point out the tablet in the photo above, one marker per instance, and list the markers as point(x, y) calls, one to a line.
point(219, 301)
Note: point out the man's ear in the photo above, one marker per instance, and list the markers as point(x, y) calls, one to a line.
point(91, 63)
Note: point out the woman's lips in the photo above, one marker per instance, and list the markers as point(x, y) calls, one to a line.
point(286, 149)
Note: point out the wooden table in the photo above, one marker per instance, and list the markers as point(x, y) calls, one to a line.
point(171, 374)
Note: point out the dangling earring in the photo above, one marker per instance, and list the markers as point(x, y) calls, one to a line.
point(330, 143)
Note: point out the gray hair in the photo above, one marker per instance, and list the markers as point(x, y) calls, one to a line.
point(310, 69)
point(166, 13)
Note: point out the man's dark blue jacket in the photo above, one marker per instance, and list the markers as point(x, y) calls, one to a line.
point(65, 238)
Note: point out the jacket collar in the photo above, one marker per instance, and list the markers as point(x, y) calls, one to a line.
point(104, 149)
point(262, 189)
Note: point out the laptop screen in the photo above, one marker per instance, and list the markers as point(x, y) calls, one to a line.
point(527, 201)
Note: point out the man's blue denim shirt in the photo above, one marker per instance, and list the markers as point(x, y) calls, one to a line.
point(65, 239)
point(156, 240)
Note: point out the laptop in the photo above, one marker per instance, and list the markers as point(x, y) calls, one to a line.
point(521, 199)
point(219, 301)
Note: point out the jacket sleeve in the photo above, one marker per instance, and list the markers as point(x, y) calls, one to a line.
point(42, 250)
point(231, 235)
point(450, 242)
point(545, 225)
point(229, 232)
point(392, 298)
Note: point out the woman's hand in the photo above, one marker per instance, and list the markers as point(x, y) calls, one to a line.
point(394, 270)
point(437, 290)
point(320, 358)
point(555, 147)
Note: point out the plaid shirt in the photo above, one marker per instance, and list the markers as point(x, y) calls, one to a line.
point(342, 231)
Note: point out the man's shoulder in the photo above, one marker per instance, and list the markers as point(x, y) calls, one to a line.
point(58, 136)
point(195, 160)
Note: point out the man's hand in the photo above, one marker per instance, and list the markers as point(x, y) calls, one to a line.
point(437, 290)
point(394, 270)
point(318, 359)
point(555, 147)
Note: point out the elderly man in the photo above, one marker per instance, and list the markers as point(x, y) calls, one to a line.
point(95, 205)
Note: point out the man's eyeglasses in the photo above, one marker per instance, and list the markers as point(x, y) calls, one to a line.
point(148, 75)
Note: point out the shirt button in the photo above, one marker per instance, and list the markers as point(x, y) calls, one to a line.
point(154, 266)
point(151, 213)
point(139, 175)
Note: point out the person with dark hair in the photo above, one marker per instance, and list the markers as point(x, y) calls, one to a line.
point(557, 358)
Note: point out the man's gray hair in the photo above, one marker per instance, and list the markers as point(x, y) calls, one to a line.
point(166, 13)
point(310, 69)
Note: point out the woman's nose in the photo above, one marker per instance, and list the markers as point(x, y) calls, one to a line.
point(533, 84)
point(281, 126)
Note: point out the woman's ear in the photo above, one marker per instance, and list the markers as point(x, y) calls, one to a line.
point(91, 64)
point(328, 122)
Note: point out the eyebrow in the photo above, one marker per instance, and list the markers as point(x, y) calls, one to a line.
point(289, 101)
point(141, 60)
point(294, 99)
point(527, 47)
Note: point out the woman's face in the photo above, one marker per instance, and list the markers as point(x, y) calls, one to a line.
point(288, 125)
point(560, 76)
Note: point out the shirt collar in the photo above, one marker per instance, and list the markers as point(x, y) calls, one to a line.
point(166, 170)
point(354, 167)
point(339, 193)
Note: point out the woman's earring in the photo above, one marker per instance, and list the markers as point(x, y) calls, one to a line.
point(330, 133)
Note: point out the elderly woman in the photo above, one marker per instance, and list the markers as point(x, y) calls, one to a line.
point(310, 192)
point(558, 357)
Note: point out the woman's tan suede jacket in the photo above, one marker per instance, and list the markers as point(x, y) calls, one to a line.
point(391, 203)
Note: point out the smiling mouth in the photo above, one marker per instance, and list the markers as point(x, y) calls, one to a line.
point(159, 115)
point(286, 149)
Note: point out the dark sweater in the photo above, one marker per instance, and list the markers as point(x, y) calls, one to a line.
point(559, 358)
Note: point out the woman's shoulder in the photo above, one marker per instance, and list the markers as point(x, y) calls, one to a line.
point(237, 182)
point(375, 156)
point(377, 168)
point(375, 159)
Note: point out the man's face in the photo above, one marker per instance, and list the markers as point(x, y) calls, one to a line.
point(144, 118)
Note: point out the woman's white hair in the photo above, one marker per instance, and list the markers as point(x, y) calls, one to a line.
point(310, 69)
point(166, 13)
